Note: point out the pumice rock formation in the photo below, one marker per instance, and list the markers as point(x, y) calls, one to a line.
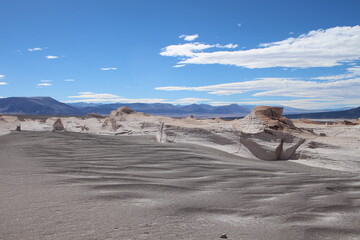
point(265, 117)
point(266, 134)
point(58, 126)
point(263, 134)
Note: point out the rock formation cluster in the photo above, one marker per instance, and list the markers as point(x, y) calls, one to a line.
point(263, 134)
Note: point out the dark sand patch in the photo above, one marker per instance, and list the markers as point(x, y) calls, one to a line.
point(79, 186)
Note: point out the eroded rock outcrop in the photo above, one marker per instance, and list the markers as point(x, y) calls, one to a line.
point(266, 134)
point(265, 117)
point(58, 126)
point(94, 115)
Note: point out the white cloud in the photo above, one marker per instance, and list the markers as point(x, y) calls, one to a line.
point(2, 76)
point(45, 81)
point(189, 37)
point(318, 48)
point(285, 87)
point(351, 72)
point(3, 83)
point(310, 103)
point(239, 24)
point(69, 80)
point(95, 95)
point(44, 84)
point(108, 68)
point(190, 49)
point(179, 65)
point(52, 57)
point(110, 98)
point(35, 49)
point(302, 93)
point(188, 100)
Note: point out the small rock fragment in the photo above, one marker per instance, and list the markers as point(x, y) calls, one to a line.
point(223, 235)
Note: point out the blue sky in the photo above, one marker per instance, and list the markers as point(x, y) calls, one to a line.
point(303, 54)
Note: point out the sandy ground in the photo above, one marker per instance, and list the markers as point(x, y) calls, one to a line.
point(338, 149)
point(82, 186)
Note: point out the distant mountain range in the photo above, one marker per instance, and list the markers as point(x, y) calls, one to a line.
point(50, 106)
point(353, 113)
point(36, 106)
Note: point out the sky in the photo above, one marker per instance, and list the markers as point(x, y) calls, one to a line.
point(302, 54)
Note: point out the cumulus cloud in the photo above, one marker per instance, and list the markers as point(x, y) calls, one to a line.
point(51, 57)
point(189, 37)
point(35, 49)
point(108, 68)
point(318, 48)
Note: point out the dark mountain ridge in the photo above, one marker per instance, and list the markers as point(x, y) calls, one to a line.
point(35, 106)
point(347, 114)
point(50, 106)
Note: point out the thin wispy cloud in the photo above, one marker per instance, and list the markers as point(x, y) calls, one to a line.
point(2, 77)
point(95, 95)
point(239, 24)
point(191, 49)
point(35, 49)
point(339, 90)
point(69, 80)
point(188, 100)
point(189, 37)
point(179, 65)
point(285, 87)
point(46, 81)
point(351, 72)
point(44, 84)
point(108, 68)
point(313, 103)
point(319, 48)
point(92, 97)
point(51, 57)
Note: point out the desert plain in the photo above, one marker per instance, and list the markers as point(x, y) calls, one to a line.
point(135, 176)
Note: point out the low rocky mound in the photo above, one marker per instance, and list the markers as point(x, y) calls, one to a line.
point(58, 126)
point(121, 111)
point(94, 115)
point(266, 134)
point(265, 117)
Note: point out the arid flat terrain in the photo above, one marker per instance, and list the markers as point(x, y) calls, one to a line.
point(83, 186)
